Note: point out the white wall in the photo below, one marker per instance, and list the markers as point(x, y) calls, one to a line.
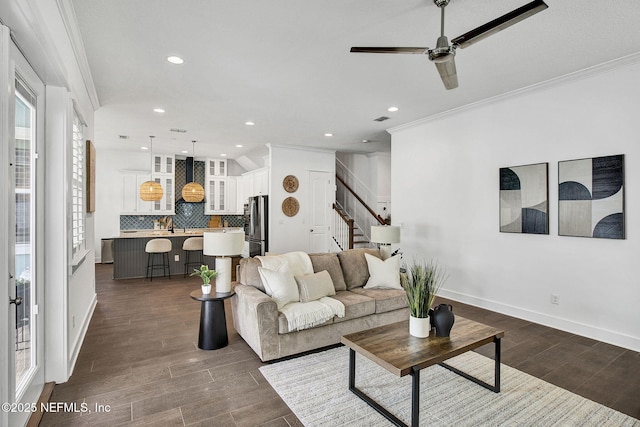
point(292, 233)
point(445, 192)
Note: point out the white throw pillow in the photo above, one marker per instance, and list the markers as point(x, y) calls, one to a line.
point(315, 286)
point(280, 286)
point(383, 274)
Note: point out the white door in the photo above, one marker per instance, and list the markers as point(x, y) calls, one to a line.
point(321, 199)
point(21, 228)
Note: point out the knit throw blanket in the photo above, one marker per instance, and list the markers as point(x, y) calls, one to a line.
point(305, 315)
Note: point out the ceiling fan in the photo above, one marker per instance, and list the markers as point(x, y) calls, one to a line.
point(443, 54)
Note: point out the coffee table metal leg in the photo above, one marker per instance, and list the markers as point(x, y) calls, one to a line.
point(496, 387)
point(375, 405)
point(415, 397)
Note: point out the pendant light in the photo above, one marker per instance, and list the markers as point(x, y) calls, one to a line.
point(193, 192)
point(151, 191)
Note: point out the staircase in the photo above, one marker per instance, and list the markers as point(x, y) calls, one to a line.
point(358, 239)
point(353, 217)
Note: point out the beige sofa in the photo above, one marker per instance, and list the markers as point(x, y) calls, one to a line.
point(265, 329)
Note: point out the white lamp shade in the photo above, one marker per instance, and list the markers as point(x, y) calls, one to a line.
point(385, 234)
point(222, 243)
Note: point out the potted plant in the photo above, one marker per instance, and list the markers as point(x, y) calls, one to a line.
point(422, 282)
point(206, 275)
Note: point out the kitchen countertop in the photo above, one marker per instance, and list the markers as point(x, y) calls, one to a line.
point(178, 232)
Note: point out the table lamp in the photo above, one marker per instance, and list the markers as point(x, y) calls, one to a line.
point(223, 245)
point(385, 235)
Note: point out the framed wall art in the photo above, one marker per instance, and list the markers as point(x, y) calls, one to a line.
point(591, 197)
point(524, 199)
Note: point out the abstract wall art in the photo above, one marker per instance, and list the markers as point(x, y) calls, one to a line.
point(524, 199)
point(591, 197)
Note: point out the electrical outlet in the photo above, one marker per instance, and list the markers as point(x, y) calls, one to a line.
point(555, 299)
point(176, 258)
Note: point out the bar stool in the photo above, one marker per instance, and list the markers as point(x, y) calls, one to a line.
point(192, 244)
point(158, 247)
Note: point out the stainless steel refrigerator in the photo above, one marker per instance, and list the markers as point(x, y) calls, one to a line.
point(256, 228)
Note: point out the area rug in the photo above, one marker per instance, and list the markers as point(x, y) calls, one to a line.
point(315, 387)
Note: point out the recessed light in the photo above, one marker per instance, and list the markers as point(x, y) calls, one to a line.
point(328, 134)
point(144, 148)
point(185, 151)
point(175, 59)
point(238, 145)
point(158, 110)
point(249, 123)
point(223, 155)
point(392, 109)
point(366, 141)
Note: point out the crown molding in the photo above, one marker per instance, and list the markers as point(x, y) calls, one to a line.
point(68, 14)
point(605, 67)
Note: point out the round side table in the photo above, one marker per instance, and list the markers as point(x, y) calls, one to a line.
point(213, 323)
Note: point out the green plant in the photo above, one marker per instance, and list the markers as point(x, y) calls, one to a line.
point(422, 281)
point(205, 274)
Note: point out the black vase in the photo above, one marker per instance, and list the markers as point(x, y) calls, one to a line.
point(431, 320)
point(443, 319)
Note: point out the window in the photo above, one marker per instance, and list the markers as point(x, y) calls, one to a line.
point(78, 194)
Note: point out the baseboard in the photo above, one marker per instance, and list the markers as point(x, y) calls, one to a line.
point(83, 332)
point(567, 325)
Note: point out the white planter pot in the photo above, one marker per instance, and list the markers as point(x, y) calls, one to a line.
point(206, 289)
point(419, 326)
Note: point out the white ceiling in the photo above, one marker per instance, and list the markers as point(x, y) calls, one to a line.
point(285, 65)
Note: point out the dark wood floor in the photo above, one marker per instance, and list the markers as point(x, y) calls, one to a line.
point(140, 358)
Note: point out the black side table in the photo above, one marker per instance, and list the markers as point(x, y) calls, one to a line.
point(213, 323)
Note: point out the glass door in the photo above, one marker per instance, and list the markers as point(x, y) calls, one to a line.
point(23, 124)
point(24, 238)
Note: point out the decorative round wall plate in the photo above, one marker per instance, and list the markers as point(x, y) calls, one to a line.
point(290, 206)
point(290, 183)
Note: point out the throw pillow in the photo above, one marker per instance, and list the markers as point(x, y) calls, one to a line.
point(280, 286)
point(354, 266)
point(383, 274)
point(315, 286)
point(331, 263)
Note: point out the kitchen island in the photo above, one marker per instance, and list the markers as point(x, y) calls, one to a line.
point(130, 259)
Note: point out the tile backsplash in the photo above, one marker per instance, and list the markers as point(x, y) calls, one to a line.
point(185, 217)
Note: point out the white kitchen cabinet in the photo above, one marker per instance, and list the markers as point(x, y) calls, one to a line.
point(257, 183)
point(166, 205)
point(216, 167)
point(163, 172)
point(131, 203)
point(261, 182)
point(215, 192)
point(162, 164)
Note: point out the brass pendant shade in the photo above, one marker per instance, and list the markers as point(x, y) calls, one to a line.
point(193, 192)
point(151, 191)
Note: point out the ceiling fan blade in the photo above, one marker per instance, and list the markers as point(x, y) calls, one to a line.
point(448, 73)
point(499, 24)
point(414, 50)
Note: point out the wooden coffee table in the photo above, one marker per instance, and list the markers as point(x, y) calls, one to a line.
point(394, 349)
